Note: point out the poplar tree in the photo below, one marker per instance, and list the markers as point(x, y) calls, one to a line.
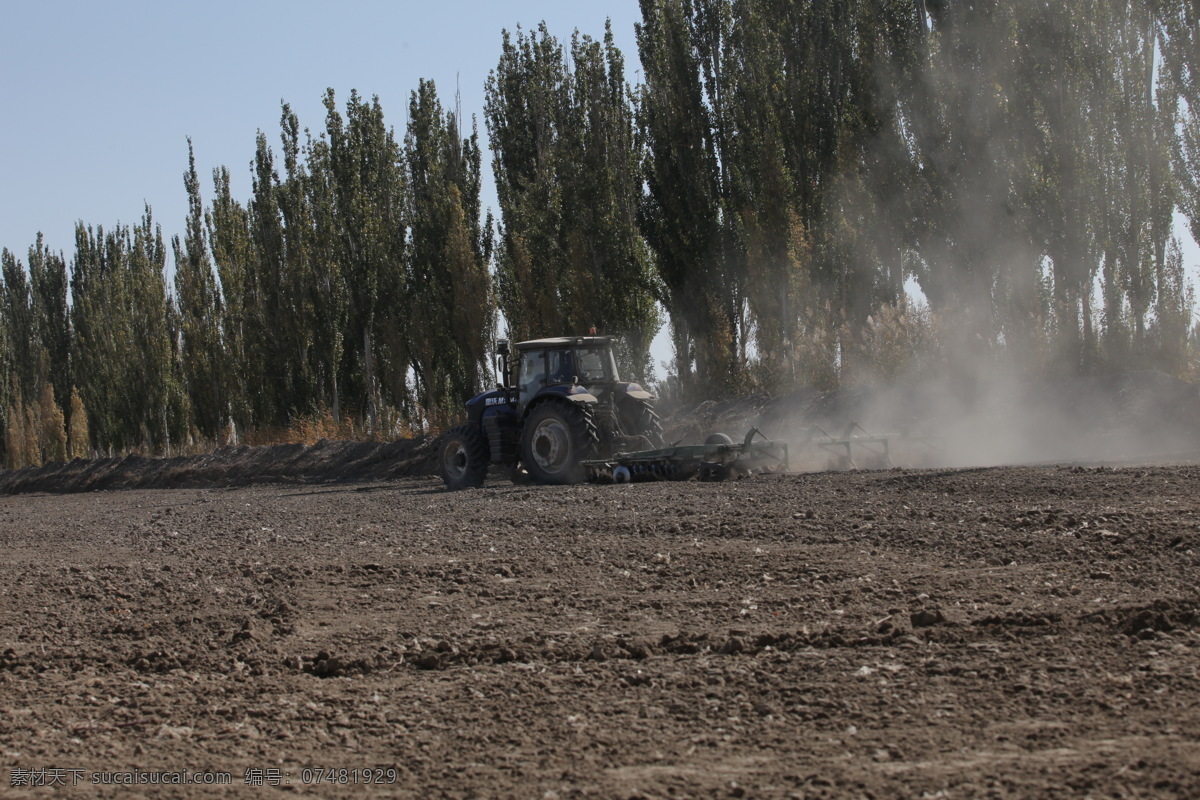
point(613, 283)
point(683, 118)
point(329, 295)
point(566, 158)
point(158, 397)
point(199, 305)
point(1063, 85)
point(1180, 37)
point(122, 348)
point(451, 314)
point(229, 234)
point(6, 363)
point(525, 95)
point(297, 273)
point(268, 315)
point(20, 437)
point(48, 285)
point(368, 207)
point(25, 357)
point(51, 428)
point(1141, 190)
point(970, 146)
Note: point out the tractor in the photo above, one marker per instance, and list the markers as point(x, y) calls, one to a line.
point(558, 402)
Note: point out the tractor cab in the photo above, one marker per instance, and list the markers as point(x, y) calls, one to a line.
point(584, 361)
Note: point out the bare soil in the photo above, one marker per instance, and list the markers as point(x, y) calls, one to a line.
point(1004, 633)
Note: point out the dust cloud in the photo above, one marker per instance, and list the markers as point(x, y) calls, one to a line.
point(1007, 419)
point(993, 417)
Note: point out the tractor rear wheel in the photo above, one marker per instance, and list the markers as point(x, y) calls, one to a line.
point(641, 420)
point(463, 458)
point(556, 437)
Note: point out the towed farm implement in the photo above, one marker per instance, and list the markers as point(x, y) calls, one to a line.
point(721, 457)
point(717, 459)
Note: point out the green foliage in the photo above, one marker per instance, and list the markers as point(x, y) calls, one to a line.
point(450, 308)
point(807, 159)
point(199, 306)
point(48, 284)
point(16, 305)
point(328, 300)
point(123, 345)
point(1179, 32)
point(232, 249)
point(777, 170)
point(683, 215)
point(567, 159)
point(367, 177)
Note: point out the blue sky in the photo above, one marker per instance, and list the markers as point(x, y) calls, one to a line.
point(100, 98)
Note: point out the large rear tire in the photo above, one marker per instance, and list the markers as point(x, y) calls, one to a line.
point(463, 458)
point(557, 436)
point(641, 420)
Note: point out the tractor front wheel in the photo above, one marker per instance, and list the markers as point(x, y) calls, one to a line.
point(556, 438)
point(463, 458)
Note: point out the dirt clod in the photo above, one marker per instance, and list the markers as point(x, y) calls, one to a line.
point(927, 618)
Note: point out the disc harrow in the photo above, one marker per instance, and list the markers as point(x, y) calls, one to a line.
point(706, 462)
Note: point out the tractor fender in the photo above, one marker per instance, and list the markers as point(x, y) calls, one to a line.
point(633, 390)
point(574, 394)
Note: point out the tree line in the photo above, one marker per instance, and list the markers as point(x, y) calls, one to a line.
point(353, 282)
point(1017, 161)
point(772, 188)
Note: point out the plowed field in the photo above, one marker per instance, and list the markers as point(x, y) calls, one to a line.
point(1007, 633)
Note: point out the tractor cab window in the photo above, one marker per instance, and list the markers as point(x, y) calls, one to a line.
point(561, 366)
point(595, 364)
point(533, 374)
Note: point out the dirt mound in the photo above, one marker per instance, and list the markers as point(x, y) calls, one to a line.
point(325, 461)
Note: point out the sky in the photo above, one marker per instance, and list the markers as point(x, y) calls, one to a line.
point(99, 99)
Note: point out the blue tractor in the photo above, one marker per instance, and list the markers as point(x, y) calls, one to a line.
point(559, 402)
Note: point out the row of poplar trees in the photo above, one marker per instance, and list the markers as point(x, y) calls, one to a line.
point(774, 186)
point(354, 282)
point(1020, 162)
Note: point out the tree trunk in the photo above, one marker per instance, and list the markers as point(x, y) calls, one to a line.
point(369, 374)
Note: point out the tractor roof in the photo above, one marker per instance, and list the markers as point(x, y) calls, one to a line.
point(565, 341)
